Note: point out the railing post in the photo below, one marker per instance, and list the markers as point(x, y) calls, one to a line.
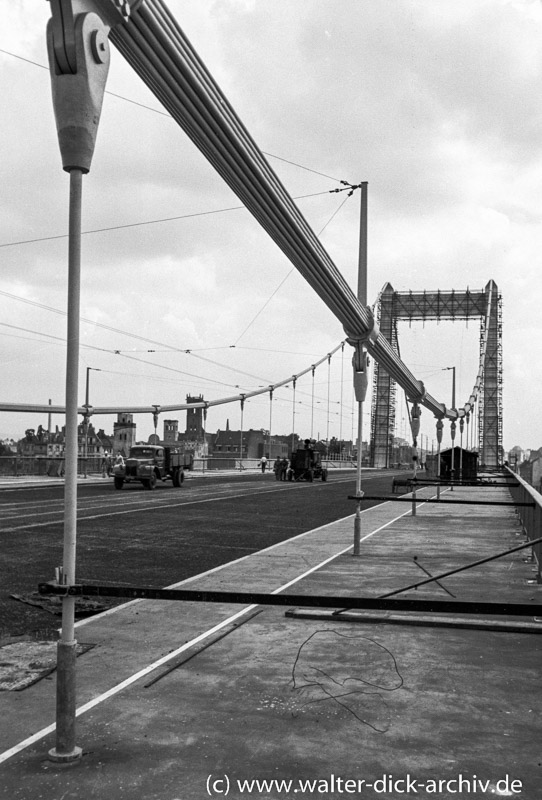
point(530, 518)
point(537, 549)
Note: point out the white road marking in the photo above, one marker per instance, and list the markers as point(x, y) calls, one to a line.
point(139, 508)
point(151, 667)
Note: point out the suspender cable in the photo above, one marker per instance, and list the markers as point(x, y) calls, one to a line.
point(241, 436)
point(341, 400)
point(204, 460)
point(352, 413)
point(312, 403)
point(294, 381)
point(155, 417)
point(328, 386)
point(270, 420)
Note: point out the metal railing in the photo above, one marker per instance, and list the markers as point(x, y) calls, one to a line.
point(213, 463)
point(529, 515)
point(47, 466)
point(53, 466)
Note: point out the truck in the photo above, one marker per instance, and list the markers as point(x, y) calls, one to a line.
point(148, 464)
point(306, 465)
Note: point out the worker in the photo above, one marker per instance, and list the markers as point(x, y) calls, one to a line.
point(307, 443)
point(283, 468)
point(277, 468)
point(263, 463)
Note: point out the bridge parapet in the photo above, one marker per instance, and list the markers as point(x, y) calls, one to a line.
point(530, 516)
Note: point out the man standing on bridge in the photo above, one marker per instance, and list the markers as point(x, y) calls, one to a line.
point(283, 469)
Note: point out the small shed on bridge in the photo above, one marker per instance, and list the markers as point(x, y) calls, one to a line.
point(468, 459)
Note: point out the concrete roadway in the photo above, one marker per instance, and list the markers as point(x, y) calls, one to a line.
point(192, 700)
point(155, 538)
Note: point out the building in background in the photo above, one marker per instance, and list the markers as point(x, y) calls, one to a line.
point(530, 469)
point(228, 446)
point(515, 456)
point(124, 434)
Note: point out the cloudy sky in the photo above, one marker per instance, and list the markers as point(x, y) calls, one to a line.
point(436, 103)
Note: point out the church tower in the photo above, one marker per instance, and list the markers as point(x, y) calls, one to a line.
point(171, 430)
point(124, 433)
point(194, 419)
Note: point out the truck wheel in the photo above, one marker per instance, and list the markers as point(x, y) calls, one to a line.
point(324, 474)
point(119, 483)
point(151, 483)
point(178, 478)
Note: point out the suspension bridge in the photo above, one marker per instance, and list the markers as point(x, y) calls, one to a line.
point(154, 45)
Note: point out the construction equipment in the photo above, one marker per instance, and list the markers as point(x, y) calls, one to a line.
point(306, 465)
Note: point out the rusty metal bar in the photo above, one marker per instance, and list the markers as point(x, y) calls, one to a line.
point(439, 482)
point(307, 601)
point(392, 499)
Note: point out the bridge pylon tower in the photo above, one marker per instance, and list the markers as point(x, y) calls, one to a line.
point(442, 305)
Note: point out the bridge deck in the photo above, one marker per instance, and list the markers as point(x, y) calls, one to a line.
point(256, 694)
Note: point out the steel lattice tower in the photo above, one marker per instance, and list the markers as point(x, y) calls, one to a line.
point(448, 305)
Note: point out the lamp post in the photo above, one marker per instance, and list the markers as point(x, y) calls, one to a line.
point(360, 363)
point(87, 416)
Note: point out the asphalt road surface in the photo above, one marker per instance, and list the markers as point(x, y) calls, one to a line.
point(154, 538)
